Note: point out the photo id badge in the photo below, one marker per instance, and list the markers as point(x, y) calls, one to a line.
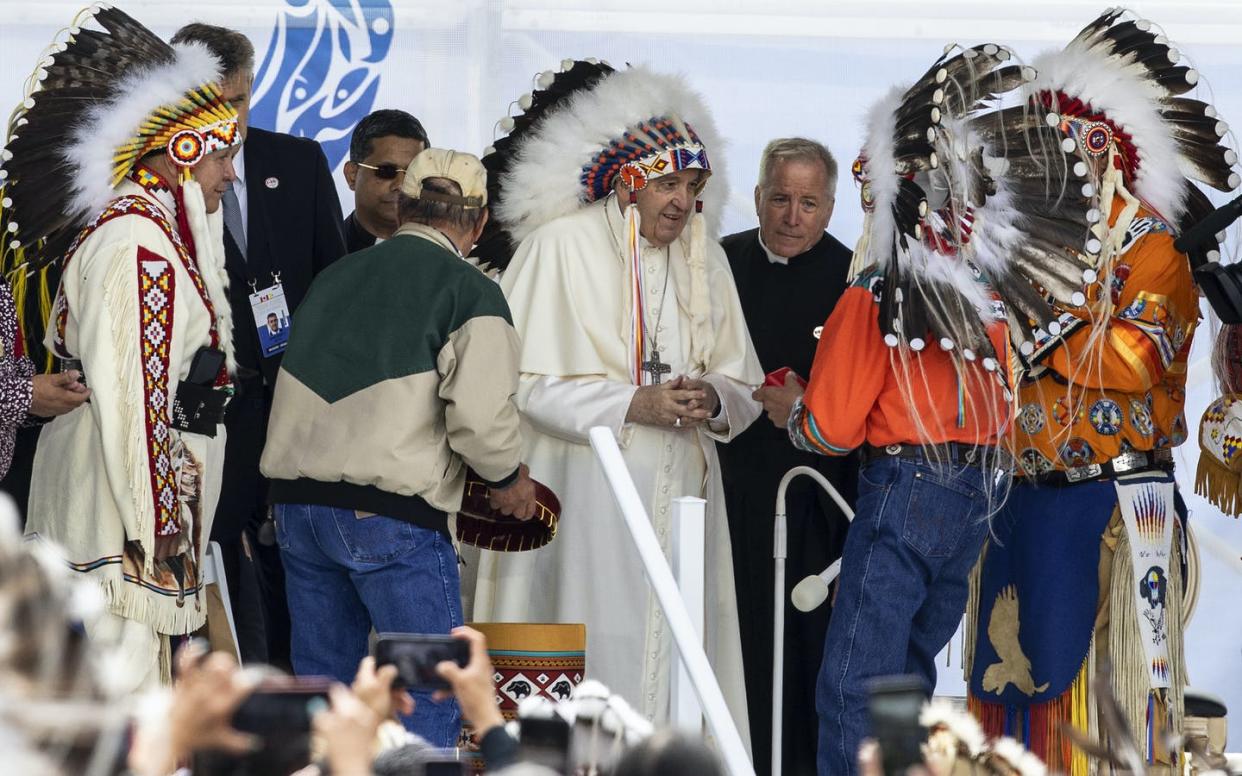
point(271, 317)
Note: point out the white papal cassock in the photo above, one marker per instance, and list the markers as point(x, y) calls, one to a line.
point(568, 288)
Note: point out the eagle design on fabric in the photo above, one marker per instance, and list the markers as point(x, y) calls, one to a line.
point(1014, 666)
point(1153, 588)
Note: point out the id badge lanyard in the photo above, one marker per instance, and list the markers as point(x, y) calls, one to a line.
point(271, 316)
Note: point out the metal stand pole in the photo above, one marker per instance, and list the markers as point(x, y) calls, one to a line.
point(780, 540)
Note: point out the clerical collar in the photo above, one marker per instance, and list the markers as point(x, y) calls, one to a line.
point(772, 257)
point(156, 186)
point(783, 260)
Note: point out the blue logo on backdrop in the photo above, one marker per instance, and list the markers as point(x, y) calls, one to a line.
point(320, 74)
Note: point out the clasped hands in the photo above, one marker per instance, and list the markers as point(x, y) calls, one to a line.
point(683, 402)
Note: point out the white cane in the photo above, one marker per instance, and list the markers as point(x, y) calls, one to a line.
point(807, 594)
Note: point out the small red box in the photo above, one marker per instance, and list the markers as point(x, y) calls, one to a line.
point(776, 377)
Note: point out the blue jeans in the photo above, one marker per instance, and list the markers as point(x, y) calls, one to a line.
point(348, 572)
point(916, 534)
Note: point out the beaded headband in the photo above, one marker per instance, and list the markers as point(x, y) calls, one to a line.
point(650, 149)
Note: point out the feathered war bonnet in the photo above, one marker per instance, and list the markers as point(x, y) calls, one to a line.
point(1117, 91)
point(579, 130)
point(1116, 101)
point(98, 103)
point(939, 224)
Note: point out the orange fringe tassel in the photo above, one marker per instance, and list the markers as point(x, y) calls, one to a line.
point(1038, 726)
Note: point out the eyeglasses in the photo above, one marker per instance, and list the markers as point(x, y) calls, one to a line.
point(384, 172)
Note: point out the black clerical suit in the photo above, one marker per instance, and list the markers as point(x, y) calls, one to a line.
point(783, 305)
point(356, 236)
point(293, 232)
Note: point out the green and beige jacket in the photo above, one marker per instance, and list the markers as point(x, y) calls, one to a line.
point(400, 371)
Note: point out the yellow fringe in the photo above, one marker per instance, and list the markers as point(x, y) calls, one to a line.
point(1218, 484)
point(45, 313)
point(18, 283)
point(19, 278)
point(1083, 713)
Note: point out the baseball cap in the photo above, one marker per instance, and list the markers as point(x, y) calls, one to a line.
point(463, 169)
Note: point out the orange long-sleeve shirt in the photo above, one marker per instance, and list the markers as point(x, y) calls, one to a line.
point(861, 391)
point(1127, 391)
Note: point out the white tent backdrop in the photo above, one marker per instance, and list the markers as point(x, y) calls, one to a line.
point(768, 68)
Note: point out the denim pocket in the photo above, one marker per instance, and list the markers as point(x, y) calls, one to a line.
point(280, 519)
point(879, 473)
point(938, 510)
point(373, 538)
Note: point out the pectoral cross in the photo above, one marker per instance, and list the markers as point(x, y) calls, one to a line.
point(655, 367)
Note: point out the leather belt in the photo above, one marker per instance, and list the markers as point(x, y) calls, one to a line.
point(1126, 463)
point(198, 409)
point(950, 452)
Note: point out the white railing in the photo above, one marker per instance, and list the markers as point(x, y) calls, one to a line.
point(689, 539)
point(689, 641)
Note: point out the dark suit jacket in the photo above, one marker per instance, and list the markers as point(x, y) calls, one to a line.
point(356, 237)
point(294, 231)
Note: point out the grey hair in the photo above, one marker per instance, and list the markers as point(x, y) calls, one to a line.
point(232, 48)
point(797, 149)
point(433, 213)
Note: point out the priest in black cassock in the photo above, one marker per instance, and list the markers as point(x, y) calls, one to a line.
point(789, 274)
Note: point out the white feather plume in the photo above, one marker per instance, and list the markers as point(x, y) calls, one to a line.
point(208, 232)
point(544, 181)
point(964, 727)
point(109, 125)
point(1017, 757)
point(1124, 91)
point(934, 268)
point(996, 234)
point(881, 165)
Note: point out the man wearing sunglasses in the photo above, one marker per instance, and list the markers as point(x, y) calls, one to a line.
point(381, 148)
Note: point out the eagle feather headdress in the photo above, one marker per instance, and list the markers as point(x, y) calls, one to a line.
point(538, 171)
point(583, 129)
point(941, 226)
point(98, 102)
point(1108, 119)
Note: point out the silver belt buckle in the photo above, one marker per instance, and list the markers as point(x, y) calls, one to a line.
point(892, 449)
point(1080, 473)
point(1128, 462)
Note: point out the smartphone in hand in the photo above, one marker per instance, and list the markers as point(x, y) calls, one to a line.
point(545, 741)
point(416, 656)
point(894, 703)
point(279, 714)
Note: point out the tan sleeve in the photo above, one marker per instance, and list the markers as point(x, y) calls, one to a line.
point(478, 369)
